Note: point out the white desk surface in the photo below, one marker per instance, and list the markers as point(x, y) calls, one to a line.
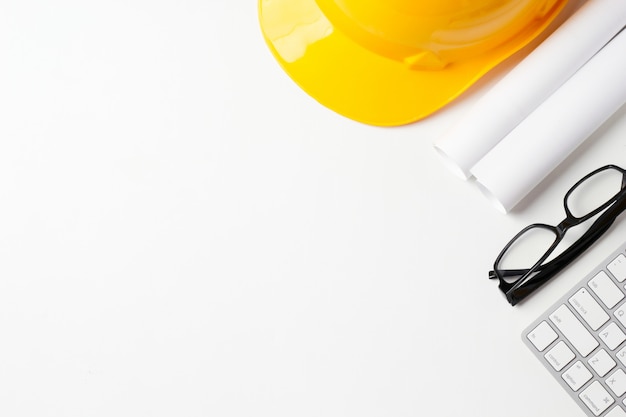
point(184, 232)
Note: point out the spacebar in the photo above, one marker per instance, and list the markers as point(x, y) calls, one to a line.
point(573, 330)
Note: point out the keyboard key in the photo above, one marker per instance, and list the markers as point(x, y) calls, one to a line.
point(616, 412)
point(596, 398)
point(602, 362)
point(573, 330)
point(620, 314)
point(589, 309)
point(617, 267)
point(617, 382)
point(612, 336)
point(542, 336)
point(559, 356)
point(606, 290)
point(621, 355)
point(577, 376)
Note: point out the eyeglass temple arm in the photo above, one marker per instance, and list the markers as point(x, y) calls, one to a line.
point(521, 290)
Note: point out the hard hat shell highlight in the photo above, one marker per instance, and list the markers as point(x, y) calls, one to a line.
point(396, 61)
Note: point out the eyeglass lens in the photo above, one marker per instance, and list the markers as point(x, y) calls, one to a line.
point(528, 249)
point(593, 192)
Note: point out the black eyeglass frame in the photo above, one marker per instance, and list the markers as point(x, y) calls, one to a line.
point(538, 274)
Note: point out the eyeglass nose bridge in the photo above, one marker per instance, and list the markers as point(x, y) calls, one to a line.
point(569, 222)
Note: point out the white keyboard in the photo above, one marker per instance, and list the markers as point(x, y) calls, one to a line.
point(581, 340)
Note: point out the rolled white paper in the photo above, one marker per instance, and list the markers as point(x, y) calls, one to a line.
point(517, 94)
point(559, 125)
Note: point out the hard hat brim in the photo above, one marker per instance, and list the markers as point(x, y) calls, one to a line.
point(362, 85)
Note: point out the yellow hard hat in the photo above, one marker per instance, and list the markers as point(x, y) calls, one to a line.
point(392, 62)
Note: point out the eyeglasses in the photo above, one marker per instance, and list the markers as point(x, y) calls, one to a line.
point(539, 251)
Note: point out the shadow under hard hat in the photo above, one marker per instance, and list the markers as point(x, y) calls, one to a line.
point(393, 62)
